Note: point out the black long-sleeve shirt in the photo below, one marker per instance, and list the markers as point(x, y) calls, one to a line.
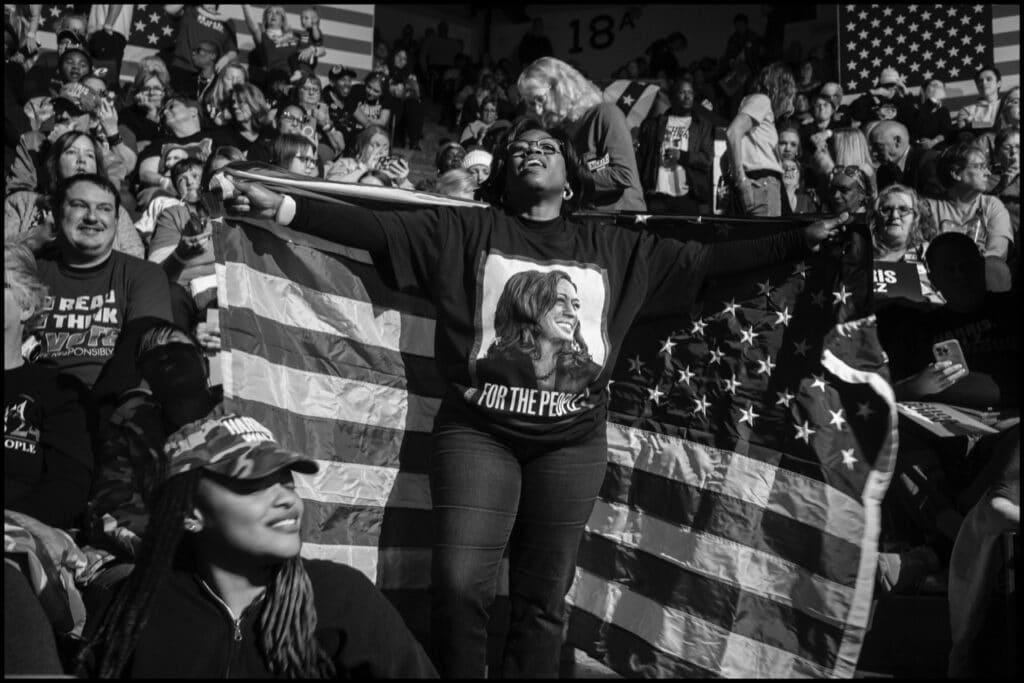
point(483, 268)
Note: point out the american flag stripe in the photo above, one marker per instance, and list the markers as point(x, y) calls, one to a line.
point(347, 29)
point(704, 555)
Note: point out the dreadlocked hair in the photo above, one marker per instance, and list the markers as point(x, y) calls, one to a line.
point(124, 621)
point(287, 623)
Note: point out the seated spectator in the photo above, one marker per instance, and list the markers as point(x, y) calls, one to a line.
point(981, 116)
point(840, 147)
point(752, 139)
point(789, 145)
point(182, 241)
point(897, 235)
point(796, 198)
point(456, 182)
point(74, 65)
point(822, 110)
point(170, 389)
point(340, 106)
point(840, 113)
point(94, 289)
point(675, 154)
point(476, 131)
point(887, 101)
point(478, 163)
point(449, 155)
point(901, 163)
point(296, 154)
point(562, 96)
point(153, 200)
point(372, 107)
point(32, 211)
point(806, 78)
point(308, 94)
point(985, 323)
point(215, 100)
point(801, 115)
point(966, 208)
point(205, 56)
point(199, 23)
point(372, 152)
point(182, 126)
point(47, 452)
point(249, 115)
point(849, 191)
point(162, 622)
point(146, 97)
point(931, 125)
point(1007, 187)
point(75, 108)
point(1009, 117)
point(71, 30)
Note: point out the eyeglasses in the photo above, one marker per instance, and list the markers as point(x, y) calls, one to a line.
point(205, 50)
point(547, 147)
point(306, 159)
point(153, 89)
point(900, 211)
point(983, 166)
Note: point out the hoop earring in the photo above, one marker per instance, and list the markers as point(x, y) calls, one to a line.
point(567, 193)
point(191, 526)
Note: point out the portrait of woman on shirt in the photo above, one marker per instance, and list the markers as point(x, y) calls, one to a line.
point(538, 339)
point(494, 461)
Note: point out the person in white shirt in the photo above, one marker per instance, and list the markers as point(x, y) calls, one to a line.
point(982, 114)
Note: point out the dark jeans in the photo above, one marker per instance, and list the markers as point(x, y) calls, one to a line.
point(488, 494)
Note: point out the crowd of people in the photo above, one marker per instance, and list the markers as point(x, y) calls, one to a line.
point(174, 514)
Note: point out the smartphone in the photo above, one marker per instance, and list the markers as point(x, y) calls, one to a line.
point(949, 350)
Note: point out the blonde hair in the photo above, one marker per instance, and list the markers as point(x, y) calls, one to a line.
point(455, 181)
point(851, 149)
point(21, 276)
point(150, 67)
point(570, 94)
point(276, 8)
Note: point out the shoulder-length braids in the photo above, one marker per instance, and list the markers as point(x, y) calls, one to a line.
point(776, 81)
point(576, 173)
point(287, 619)
point(569, 93)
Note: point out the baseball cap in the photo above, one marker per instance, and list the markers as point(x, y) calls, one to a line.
point(889, 76)
point(338, 71)
point(230, 445)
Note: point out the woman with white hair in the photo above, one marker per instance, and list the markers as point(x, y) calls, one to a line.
point(561, 96)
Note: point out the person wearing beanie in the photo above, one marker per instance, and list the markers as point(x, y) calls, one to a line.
point(478, 163)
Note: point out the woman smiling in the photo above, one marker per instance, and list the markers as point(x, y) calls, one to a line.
point(512, 452)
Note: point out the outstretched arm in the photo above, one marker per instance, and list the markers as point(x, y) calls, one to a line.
point(738, 256)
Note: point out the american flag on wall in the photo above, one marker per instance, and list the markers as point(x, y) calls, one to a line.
point(948, 42)
point(749, 449)
point(347, 29)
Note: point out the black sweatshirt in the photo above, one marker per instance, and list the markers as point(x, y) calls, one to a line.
point(483, 270)
point(47, 454)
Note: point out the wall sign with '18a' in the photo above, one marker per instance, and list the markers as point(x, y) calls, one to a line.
point(602, 31)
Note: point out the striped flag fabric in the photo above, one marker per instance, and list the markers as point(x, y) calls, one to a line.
point(347, 29)
point(948, 42)
point(750, 449)
point(737, 541)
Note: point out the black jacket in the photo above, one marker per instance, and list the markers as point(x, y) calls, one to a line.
point(697, 161)
point(190, 633)
point(919, 172)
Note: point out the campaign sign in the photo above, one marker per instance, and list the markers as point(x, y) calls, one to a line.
point(897, 280)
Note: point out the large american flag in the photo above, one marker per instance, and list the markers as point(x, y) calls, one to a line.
point(347, 29)
point(749, 449)
point(948, 42)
